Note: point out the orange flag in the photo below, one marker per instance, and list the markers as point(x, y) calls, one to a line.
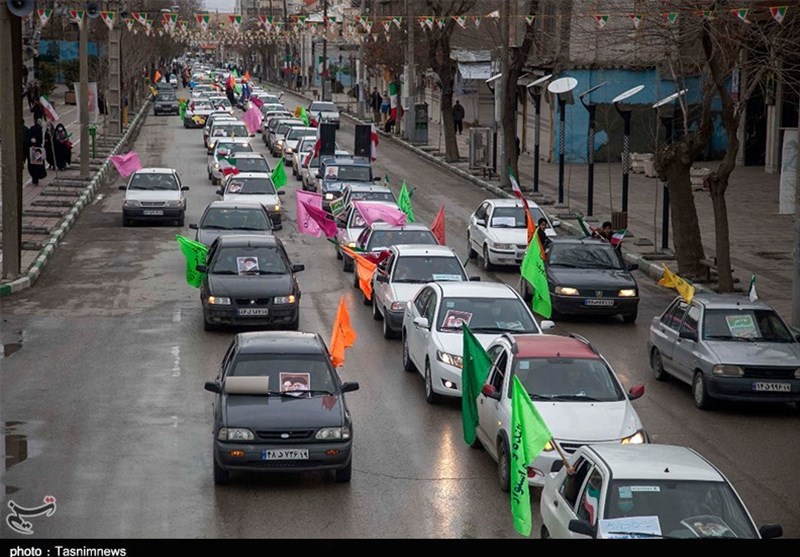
point(343, 335)
point(532, 226)
point(157, 77)
point(247, 75)
point(438, 227)
point(364, 269)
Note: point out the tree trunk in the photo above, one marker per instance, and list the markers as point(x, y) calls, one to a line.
point(509, 125)
point(722, 240)
point(685, 227)
point(448, 125)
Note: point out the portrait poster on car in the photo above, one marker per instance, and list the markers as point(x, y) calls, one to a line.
point(741, 326)
point(295, 383)
point(235, 187)
point(246, 265)
point(455, 319)
point(331, 172)
point(707, 526)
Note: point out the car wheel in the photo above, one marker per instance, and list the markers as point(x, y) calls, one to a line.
point(657, 365)
point(181, 221)
point(356, 283)
point(630, 317)
point(503, 465)
point(344, 475)
point(376, 313)
point(207, 326)
point(408, 365)
point(431, 397)
point(221, 477)
point(126, 221)
point(545, 533)
point(487, 265)
point(387, 330)
point(700, 393)
point(472, 254)
point(347, 265)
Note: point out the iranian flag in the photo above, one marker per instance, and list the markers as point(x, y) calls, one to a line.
point(394, 92)
point(236, 22)
point(374, 141)
point(202, 20)
point(49, 111)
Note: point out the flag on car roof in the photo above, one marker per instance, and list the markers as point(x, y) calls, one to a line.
point(751, 291)
point(438, 227)
point(475, 364)
point(671, 280)
point(404, 202)
point(365, 270)
point(374, 140)
point(343, 335)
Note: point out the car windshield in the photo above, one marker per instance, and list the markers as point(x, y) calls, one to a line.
point(201, 106)
point(297, 133)
point(229, 130)
point(372, 196)
point(146, 181)
point(251, 186)
point(570, 379)
point(513, 217)
point(322, 107)
point(485, 315)
point(685, 509)
point(287, 372)
point(252, 165)
point(350, 173)
point(583, 256)
point(243, 260)
point(220, 218)
point(283, 128)
point(166, 97)
point(422, 269)
point(221, 101)
point(384, 239)
point(745, 326)
point(226, 149)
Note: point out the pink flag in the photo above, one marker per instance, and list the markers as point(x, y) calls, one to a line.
point(126, 164)
point(321, 219)
point(376, 211)
point(252, 119)
point(257, 102)
point(305, 224)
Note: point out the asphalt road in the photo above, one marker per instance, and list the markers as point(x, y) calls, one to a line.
point(102, 400)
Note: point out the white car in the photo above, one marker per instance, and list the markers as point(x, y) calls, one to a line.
point(498, 231)
point(154, 194)
point(252, 162)
point(324, 112)
point(644, 491)
point(225, 128)
point(432, 337)
point(400, 276)
point(225, 147)
point(201, 88)
point(574, 389)
point(221, 102)
point(255, 187)
point(217, 116)
point(350, 224)
point(196, 114)
point(292, 141)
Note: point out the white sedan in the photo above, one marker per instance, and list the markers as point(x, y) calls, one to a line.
point(432, 321)
point(255, 187)
point(498, 231)
point(224, 148)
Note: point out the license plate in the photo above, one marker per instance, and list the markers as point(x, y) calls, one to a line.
point(598, 303)
point(772, 387)
point(253, 311)
point(284, 454)
point(153, 212)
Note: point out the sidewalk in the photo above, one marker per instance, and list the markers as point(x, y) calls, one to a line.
point(761, 240)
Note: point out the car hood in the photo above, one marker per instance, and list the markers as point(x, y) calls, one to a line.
point(266, 199)
point(453, 343)
point(334, 185)
point(273, 412)
point(403, 292)
point(208, 235)
point(589, 421)
point(600, 279)
point(152, 195)
point(250, 286)
point(778, 354)
point(517, 236)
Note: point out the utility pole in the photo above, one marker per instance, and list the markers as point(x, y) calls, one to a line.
point(500, 93)
point(796, 251)
point(360, 73)
point(11, 134)
point(83, 101)
point(114, 74)
point(411, 78)
point(286, 31)
point(325, 96)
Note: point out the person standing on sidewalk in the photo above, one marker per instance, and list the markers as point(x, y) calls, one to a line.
point(385, 104)
point(375, 104)
point(458, 117)
point(35, 153)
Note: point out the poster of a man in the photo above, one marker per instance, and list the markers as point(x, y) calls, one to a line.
point(456, 319)
point(295, 383)
point(246, 265)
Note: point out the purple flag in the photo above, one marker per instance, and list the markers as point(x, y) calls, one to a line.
point(257, 102)
point(126, 164)
point(377, 211)
point(305, 224)
point(252, 119)
point(320, 218)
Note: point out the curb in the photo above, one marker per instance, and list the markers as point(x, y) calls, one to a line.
point(87, 196)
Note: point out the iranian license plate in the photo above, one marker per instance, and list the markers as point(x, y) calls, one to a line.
point(598, 303)
point(252, 312)
point(772, 387)
point(153, 212)
point(284, 454)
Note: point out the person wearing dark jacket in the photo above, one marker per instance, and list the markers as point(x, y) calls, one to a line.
point(36, 167)
point(458, 117)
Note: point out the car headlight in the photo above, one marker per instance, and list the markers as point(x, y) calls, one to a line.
point(636, 439)
point(351, 244)
point(216, 166)
point(566, 291)
point(504, 246)
point(219, 301)
point(173, 203)
point(235, 434)
point(449, 359)
point(328, 196)
point(627, 293)
point(280, 143)
point(724, 370)
point(131, 203)
point(276, 207)
point(333, 433)
point(289, 150)
point(290, 299)
point(398, 306)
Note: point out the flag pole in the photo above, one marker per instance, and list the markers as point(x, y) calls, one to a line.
point(570, 469)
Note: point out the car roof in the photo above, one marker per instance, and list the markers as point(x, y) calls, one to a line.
point(247, 240)
point(584, 240)
point(156, 170)
point(380, 225)
point(729, 301)
point(367, 187)
point(283, 342)
point(549, 346)
point(267, 175)
point(227, 121)
point(476, 290)
point(304, 129)
point(238, 204)
point(423, 249)
point(510, 202)
point(250, 155)
point(231, 140)
point(656, 462)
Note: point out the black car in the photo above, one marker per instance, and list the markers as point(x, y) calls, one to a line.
point(335, 173)
point(224, 218)
point(249, 280)
point(280, 407)
point(166, 103)
point(587, 276)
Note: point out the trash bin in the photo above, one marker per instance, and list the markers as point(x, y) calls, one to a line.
point(420, 130)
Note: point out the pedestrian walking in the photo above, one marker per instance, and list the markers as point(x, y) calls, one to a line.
point(35, 153)
point(458, 117)
point(385, 103)
point(375, 104)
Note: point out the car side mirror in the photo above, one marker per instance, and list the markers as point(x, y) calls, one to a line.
point(184, 188)
point(220, 191)
point(379, 277)
point(582, 527)
point(546, 325)
point(687, 335)
point(474, 279)
point(770, 531)
point(123, 188)
point(490, 392)
point(636, 392)
point(633, 266)
point(556, 223)
point(298, 268)
point(480, 222)
point(193, 227)
point(318, 175)
point(556, 466)
point(281, 192)
point(350, 386)
point(213, 387)
point(421, 323)
point(201, 269)
point(376, 178)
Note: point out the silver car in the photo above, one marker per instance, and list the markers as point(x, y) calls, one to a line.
point(726, 347)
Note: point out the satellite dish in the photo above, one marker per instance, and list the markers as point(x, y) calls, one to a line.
point(671, 98)
point(563, 85)
point(539, 81)
point(93, 10)
point(592, 90)
point(627, 94)
point(20, 8)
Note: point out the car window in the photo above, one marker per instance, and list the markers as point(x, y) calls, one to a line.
point(691, 319)
point(252, 165)
point(286, 372)
point(481, 212)
point(430, 308)
point(513, 217)
point(589, 508)
point(372, 196)
point(422, 269)
point(222, 218)
point(491, 315)
point(224, 129)
point(384, 239)
point(573, 483)
point(226, 149)
point(583, 256)
point(244, 260)
point(422, 300)
point(745, 325)
point(148, 181)
point(356, 220)
point(353, 173)
point(250, 186)
point(568, 379)
point(498, 372)
point(673, 317)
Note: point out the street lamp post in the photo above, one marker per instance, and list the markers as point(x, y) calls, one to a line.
point(535, 89)
point(563, 88)
point(592, 109)
point(665, 111)
point(490, 83)
point(626, 141)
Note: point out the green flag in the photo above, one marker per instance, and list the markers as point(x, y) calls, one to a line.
point(304, 116)
point(533, 271)
point(404, 202)
point(279, 175)
point(584, 227)
point(529, 435)
point(474, 370)
point(195, 254)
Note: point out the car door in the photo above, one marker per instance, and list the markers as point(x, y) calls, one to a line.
point(414, 332)
point(685, 356)
point(664, 335)
point(380, 290)
point(591, 499)
point(477, 233)
point(426, 333)
point(489, 408)
point(561, 505)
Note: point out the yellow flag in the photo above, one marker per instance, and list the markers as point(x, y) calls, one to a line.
point(671, 280)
